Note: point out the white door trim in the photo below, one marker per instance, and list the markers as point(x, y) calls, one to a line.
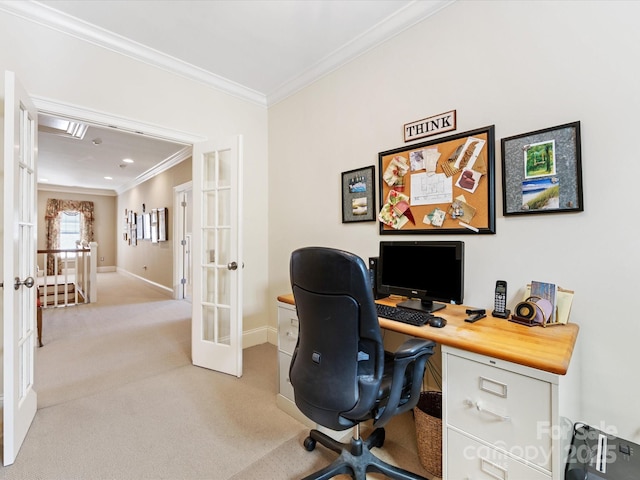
point(105, 119)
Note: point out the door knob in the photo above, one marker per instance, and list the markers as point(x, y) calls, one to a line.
point(28, 282)
point(232, 266)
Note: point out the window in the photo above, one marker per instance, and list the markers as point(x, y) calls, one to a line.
point(69, 229)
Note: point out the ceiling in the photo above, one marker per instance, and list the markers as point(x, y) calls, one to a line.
point(260, 50)
point(103, 159)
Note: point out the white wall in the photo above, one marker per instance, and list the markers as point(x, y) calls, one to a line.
point(59, 67)
point(522, 66)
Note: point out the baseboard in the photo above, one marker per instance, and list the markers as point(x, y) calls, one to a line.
point(250, 338)
point(156, 286)
point(258, 336)
point(106, 269)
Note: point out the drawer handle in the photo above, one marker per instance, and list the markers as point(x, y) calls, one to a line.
point(493, 470)
point(479, 407)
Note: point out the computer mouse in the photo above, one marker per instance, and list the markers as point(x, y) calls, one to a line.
point(437, 322)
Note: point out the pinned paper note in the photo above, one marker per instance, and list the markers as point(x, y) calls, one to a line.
point(435, 218)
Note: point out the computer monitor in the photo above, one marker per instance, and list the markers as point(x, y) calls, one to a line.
point(428, 272)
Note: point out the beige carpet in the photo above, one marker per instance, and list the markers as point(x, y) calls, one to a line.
point(119, 399)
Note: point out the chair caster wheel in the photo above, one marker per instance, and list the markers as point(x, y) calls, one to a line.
point(380, 440)
point(309, 444)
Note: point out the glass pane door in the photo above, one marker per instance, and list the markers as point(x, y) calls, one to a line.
point(217, 247)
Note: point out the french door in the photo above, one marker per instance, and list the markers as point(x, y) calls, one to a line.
point(217, 256)
point(18, 245)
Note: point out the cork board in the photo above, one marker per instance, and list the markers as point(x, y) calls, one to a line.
point(445, 186)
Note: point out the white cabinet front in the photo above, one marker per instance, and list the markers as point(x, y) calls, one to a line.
point(468, 459)
point(512, 412)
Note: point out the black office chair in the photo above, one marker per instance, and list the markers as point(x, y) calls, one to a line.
point(340, 373)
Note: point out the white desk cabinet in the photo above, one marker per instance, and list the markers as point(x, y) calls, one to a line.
point(502, 420)
point(287, 338)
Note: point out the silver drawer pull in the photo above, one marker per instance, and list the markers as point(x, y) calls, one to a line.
point(478, 406)
point(493, 470)
point(493, 387)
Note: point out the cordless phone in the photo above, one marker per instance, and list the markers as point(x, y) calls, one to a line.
point(500, 309)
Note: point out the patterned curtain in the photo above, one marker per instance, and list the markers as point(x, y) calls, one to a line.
point(52, 220)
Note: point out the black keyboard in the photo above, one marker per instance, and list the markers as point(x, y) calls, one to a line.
point(412, 317)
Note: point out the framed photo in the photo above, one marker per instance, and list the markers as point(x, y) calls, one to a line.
point(146, 229)
point(162, 225)
point(358, 195)
point(154, 225)
point(542, 171)
point(139, 226)
point(442, 186)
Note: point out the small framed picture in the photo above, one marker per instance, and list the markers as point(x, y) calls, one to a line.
point(542, 171)
point(358, 195)
point(162, 225)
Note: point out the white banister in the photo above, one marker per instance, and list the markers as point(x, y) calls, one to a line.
point(93, 271)
point(72, 280)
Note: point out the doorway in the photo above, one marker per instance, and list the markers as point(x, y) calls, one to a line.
point(105, 132)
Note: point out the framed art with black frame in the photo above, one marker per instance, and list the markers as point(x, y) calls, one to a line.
point(442, 186)
point(358, 195)
point(542, 171)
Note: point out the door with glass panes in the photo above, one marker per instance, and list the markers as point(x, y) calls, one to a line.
point(217, 256)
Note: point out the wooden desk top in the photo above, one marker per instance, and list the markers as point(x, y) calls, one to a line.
point(545, 348)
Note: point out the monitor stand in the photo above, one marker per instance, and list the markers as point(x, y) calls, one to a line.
point(421, 306)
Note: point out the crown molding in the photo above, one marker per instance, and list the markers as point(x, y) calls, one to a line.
point(386, 29)
point(79, 190)
point(166, 164)
point(61, 22)
point(391, 26)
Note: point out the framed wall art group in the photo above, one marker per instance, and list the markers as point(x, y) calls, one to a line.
point(445, 185)
point(146, 226)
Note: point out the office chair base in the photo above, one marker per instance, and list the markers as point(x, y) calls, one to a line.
point(355, 458)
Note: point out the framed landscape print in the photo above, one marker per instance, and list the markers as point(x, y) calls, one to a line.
point(542, 171)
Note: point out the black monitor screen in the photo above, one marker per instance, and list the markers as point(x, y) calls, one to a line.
point(424, 271)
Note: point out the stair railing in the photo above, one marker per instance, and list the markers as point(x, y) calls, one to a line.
point(69, 276)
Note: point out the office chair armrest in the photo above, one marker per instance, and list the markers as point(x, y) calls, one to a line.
point(412, 347)
point(414, 352)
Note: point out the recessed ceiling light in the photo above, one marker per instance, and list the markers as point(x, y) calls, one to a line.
point(127, 160)
point(108, 178)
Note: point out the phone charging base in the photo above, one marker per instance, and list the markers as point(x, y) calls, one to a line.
point(504, 314)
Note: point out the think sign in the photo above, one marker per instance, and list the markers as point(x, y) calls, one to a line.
point(430, 126)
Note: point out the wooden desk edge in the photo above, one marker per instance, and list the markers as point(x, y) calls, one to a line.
point(548, 349)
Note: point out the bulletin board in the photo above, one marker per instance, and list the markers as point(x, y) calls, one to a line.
point(445, 186)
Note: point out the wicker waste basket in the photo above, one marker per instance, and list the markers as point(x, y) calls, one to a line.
point(428, 418)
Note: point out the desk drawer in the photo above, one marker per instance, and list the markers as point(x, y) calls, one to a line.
point(508, 410)
point(285, 387)
point(287, 329)
point(469, 459)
